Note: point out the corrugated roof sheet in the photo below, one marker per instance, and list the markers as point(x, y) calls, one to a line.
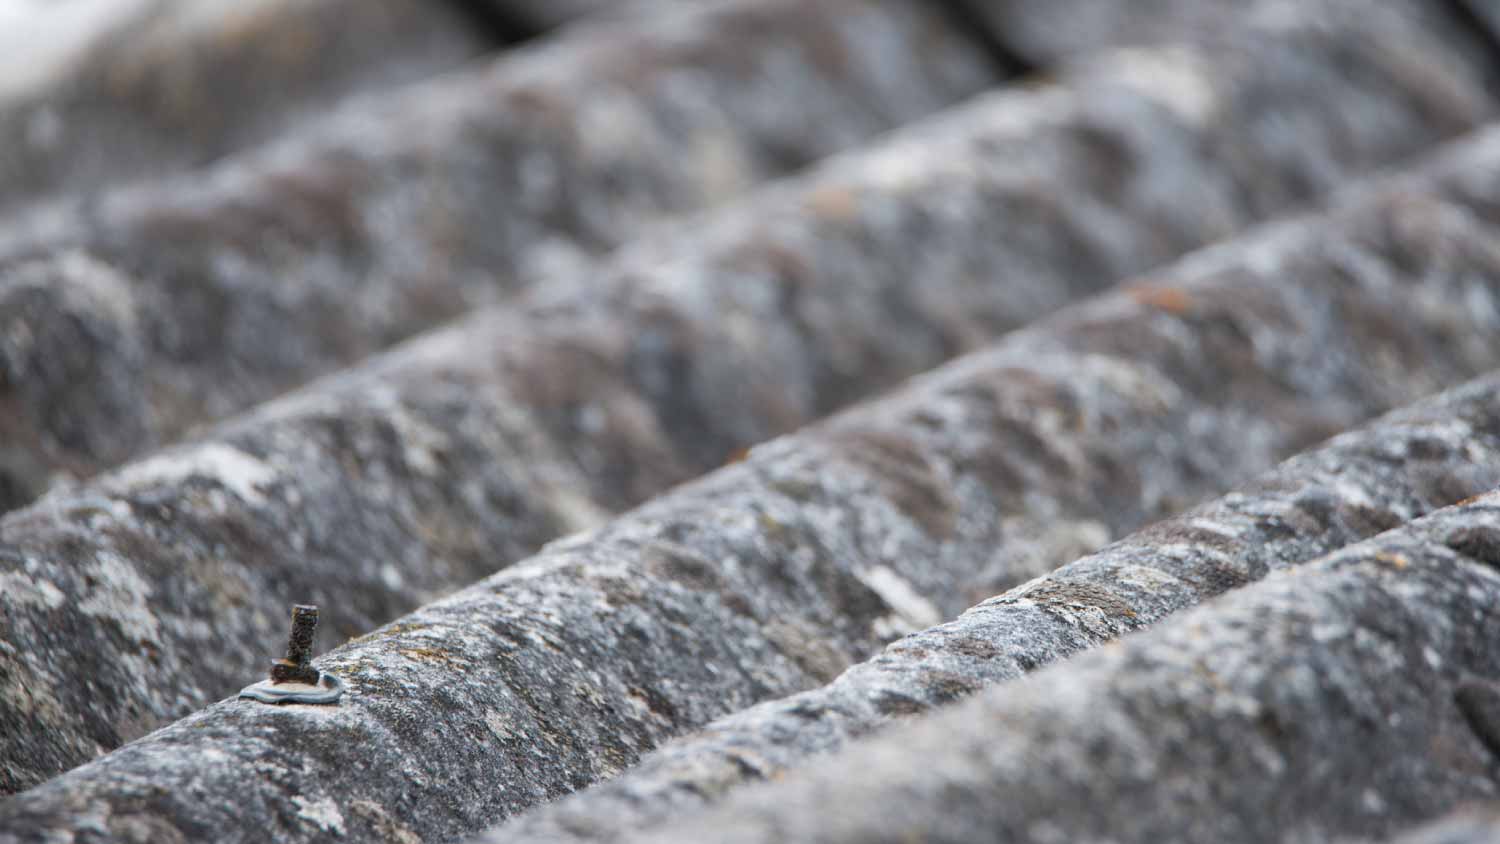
point(463, 359)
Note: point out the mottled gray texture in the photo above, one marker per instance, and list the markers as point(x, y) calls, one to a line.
point(1043, 32)
point(1472, 824)
point(887, 261)
point(373, 492)
point(233, 285)
point(774, 574)
point(1355, 695)
point(216, 301)
point(94, 94)
point(542, 14)
point(1405, 466)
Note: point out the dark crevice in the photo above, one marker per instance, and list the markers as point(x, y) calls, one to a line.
point(976, 27)
point(1479, 702)
point(1485, 33)
point(500, 25)
point(1480, 543)
point(14, 492)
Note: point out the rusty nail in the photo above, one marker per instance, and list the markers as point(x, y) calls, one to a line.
point(293, 678)
point(296, 667)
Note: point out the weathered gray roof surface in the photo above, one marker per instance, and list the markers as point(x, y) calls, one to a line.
point(448, 319)
point(1476, 823)
point(1348, 696)
point(1361, 483)
point(155, 308)
point(94, 94)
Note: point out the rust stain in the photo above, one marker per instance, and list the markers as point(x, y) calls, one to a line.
point(1169, 299)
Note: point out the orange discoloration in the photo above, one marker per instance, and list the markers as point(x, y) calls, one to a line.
point(1392, 559)
point(1169, 299)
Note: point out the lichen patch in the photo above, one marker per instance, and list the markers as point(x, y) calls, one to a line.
point(322, 813)
point(233, 469)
